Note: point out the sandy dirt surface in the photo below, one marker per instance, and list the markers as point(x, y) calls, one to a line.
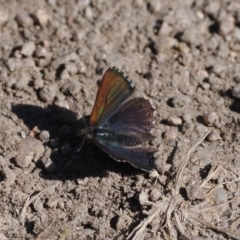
point(183, 55)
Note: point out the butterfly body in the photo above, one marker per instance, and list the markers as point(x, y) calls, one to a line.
point(120, 127)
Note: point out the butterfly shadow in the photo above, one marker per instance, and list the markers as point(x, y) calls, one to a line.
point(78, 164)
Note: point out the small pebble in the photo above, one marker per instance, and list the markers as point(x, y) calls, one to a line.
point(171, 134)
point(61, 205)
point(103, 212)
point(194, 191)
point(24, 159)
point(210, 119)
point(71, 68)
point(219, 195)
point(153, 174)
point(163, 179)
point(23, 20)
point(47, 93)
point(174, 121)
point(8, 176)
point(123, 222)
point(14, 63)
point(236, 91)
point(223, 51)
point(41, 16)
point(235, 203)
point(227, 25)
point(48, 165)
point(52, 202)
point(3, 17)
point(187, 118)
point(214, 136)
point(38, 83)
point(28, 48)
point(143, 198)
point(44, 136)
point(236, 162)
point(23, 134)
point(180, 101)
point(154, 195)
point(236, 33)
point(65, 149)
point(213, 7)
point(54, 142)
point(41, 52)
point(191, 35)
point(65, 131)
point(64, 75)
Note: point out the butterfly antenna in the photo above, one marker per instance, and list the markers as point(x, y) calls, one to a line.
point(75, 102)
point(82, 143)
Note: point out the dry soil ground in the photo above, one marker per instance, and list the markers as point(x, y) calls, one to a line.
point(183, 55)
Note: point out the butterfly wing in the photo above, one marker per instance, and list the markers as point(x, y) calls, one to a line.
point(135, 115)
point(114, 89)
point(139, 157)
point(130, 126)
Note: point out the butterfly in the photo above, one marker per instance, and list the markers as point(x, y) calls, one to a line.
point(119, 127)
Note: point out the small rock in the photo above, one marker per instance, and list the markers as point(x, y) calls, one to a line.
point(47, 93)
point(214, 136)
point(65, 149)
point(8, 176)
point(41, 52)
point(62, 33)
point(183, 48)
point(41, 16)
point(154, 195)
point(44, 136)
point(187, 118)
point(223, 50)
point(103, 212)
point(236, 162)
point(194, 191)
point(48, 165)
point(227, 25)
point(236, 33)
point(174, 121)
point(143, 198)
point(54, 142)
point(163, 179)
point(123, 222)
point(22, 79)
point(219, 195)
point(236, 91)
point(180, 101)
point(153, 174)
point(64, 75)
point(213, 7)
point(23, 20)
point(28, 49)
point(210, 119)
point(71, 68)
point(23, 135)
point(14, 63)
point(65, 131)
point(3, 17)
point(171, 134)
point(191, 36)
point(61, 205)
point(24, 159)
point(52, 202)
point(38, 83)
